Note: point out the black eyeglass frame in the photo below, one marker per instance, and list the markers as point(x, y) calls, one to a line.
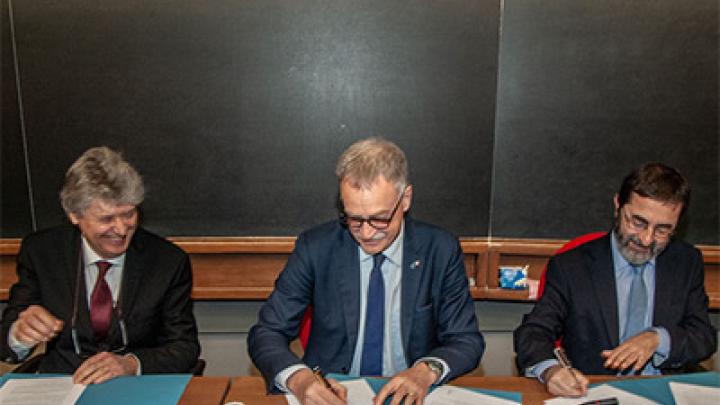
point(73, 321)
point(355, 222)
point(639, 224)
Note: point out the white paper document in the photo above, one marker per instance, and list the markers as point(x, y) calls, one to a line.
point(40, 391)
point(449, 395)
point(359, 393)
point(691, 394)
point(602, 392)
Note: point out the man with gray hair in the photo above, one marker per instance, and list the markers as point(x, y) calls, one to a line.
point(107, 297)
point(389, 294)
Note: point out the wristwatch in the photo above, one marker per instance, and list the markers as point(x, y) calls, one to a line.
point(434, 366)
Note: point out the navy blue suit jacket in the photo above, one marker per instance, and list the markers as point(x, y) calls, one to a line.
point(438, 316)
point(580, 304)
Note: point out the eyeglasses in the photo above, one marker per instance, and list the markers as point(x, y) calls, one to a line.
point(356, 222)
point(102, 347)
point(640, 224)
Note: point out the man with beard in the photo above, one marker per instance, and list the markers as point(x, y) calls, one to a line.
point(631, 302)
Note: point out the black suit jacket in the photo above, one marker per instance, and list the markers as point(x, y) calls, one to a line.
point(438, 316)
point(154, 298)
point(580, 304)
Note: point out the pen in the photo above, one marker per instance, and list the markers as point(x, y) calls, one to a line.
point(565, 363)
point(604, 401)
point(319, 375)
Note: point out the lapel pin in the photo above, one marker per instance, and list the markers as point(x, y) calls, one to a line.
point(415, 264)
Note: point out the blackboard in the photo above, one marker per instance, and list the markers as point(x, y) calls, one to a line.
point(588, 91)
point(519, 118)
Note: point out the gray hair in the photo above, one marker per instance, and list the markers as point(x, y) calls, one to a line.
point(100, 173)
point(366, 160)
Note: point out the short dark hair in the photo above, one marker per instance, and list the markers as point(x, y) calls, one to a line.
point(657, 181)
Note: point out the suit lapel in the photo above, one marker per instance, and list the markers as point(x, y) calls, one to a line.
point(603, 278)
point(412, 269)
point(73, 262)
point(133, 273)
point(664, 284)
point(347, 265)
point(78, 291)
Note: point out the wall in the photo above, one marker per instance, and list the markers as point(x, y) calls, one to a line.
point(519, 118)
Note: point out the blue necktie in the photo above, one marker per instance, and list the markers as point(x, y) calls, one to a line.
point(371, 363)
point(637, 305)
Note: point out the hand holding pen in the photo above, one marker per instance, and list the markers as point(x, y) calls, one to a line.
point(336, 389)
point(563, 380)
point(310, 388)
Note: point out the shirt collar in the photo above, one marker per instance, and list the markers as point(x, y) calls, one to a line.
point(619, 260)
point(90, 256)
point(393, 253)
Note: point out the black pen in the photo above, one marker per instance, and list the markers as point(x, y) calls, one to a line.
point(319, 375)
point(604, 401)
point(565, 363)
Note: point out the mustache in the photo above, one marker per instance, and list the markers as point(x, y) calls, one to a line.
point(379, 235)
point(636, 240)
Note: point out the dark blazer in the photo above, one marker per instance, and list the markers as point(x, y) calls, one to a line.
point(438, 317)
point(155, 301)
point(580, 304)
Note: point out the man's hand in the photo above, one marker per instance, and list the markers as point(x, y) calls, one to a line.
point(36, 325)
point(410, 385)
point(565, 382)
point(634, 352)
point(309, 390)
point(104, 366)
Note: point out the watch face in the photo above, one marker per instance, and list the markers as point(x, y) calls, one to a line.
point(435, 366)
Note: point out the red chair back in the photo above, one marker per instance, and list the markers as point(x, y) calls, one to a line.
point(572, 244)
point(305, 325)
point(564, 248)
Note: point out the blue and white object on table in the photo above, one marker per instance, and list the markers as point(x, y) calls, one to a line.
point(513, 277)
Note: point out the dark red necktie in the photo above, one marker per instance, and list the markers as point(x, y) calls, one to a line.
point(101, 303)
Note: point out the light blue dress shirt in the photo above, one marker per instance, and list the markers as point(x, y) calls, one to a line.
point(393, 352)
point(623, 280)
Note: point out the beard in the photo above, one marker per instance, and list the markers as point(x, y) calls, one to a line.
point(635, 257)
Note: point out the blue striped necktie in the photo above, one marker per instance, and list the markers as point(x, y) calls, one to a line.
point(637, 304)
point(372, 354)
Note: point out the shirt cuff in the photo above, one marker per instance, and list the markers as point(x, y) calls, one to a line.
point(445, 370)
point(537, 370)
point(284, 375)
point(663, 350)
point(19, 348)
point(139, 365)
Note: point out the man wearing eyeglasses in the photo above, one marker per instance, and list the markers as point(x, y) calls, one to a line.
point(107, 297)
point(631, 302)
point(389, 294)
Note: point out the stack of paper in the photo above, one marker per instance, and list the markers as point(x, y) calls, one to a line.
point(41, 391)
